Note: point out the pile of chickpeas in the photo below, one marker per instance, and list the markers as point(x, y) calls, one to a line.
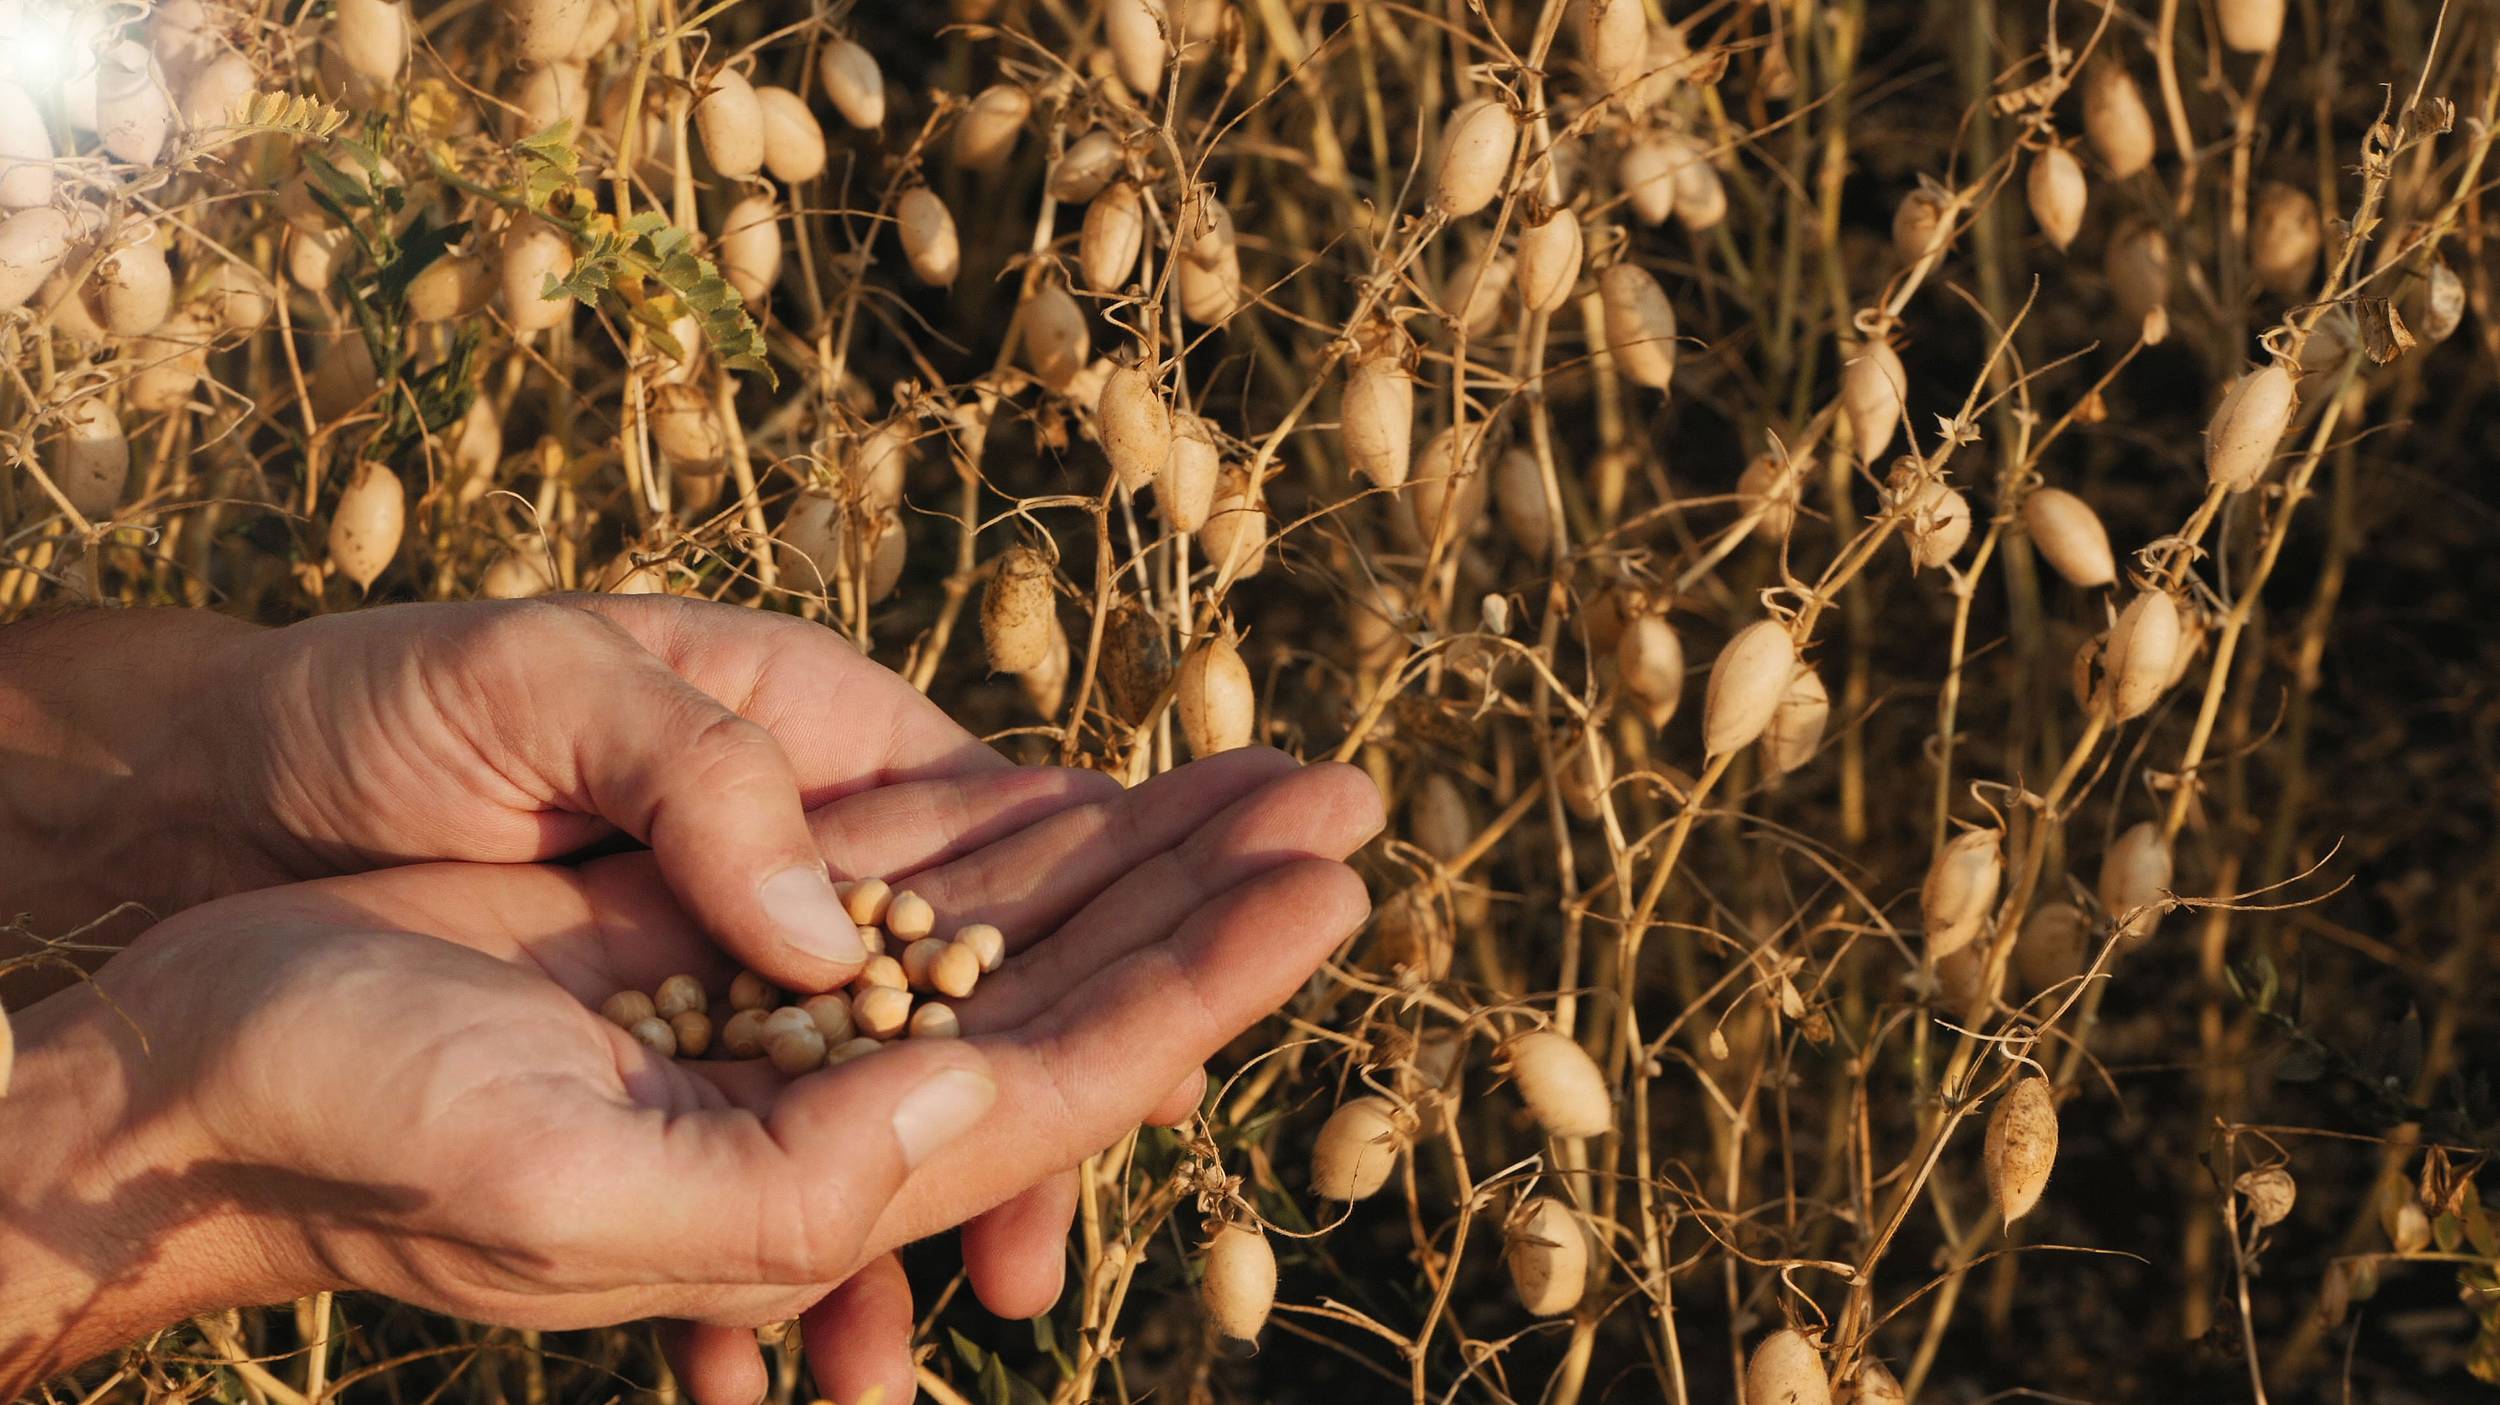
point(902, 993)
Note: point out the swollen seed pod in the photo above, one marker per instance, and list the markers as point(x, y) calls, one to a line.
point(1138, 48)
point(454, 285)
point(1473, 299)
point(909, 917)
point(1646, 174)
point(1614, 38)
point(808, 548)
point(1746, 684)
point(2270, 1192)
point(654, 1034)
point(1056, 342)
point(1113, 235)
point(1238, 1285)
point(932, 1020)
point(1085, 167)
point(1640, 325)
point(1774, 488)
point(749, 991)
point(2057, 190)
point(1015, 611)
point(1786, 1370)
point(1874, 390)
point(1439, 820)
point(2284, 234)
point(986, 135)
point(2247, 425)
point(133, 113)
point(875, 464)
point(365, 525)
point(2438, 305)
point(2138, 267)
point(372, 38)
point(544, 31)
point(866, 900)
point(1045, 686)
point(852, 79)
point(1650, 661)
point(687, 428)
point(1135, 426)
point(132, 288)
point(1447, 483)
point(730, 121)
point(1475, 156)
point(679, 994)
point(1700, 195)
point(1876, 1386)
point(750, 248)
point(2056, 941)
point(1561, 1085)
point(534, 253)
point(214, 93)
point(627, 1008)
point(1547, 1250)
point(881, 1011)
point(794, 141)
point(343, 377)
point(987, 944)
point(1185, 490)
point(1960, 889)
point(2250, 26)
point(556, 92)
point(1210, 292)
point(1549, 261)
point(2115, 119)
point(831, 1014)
point(169, 362)
point(90, 460)
point(1357, 1149)
point(1921, 223)
point(795, 1052)
point(2069, 535)
point(1234, 537)
point(1937, 525)
point(32, 244)
point(2137, 660)
point(1796, 727)
point(237, 296)
point(26, 153)
point(927, 230)
point(693, 1029)
point(2021, 1147)
point(1376, 420)
point(1519, 500)
point(1218, 704)
point(2135, 874)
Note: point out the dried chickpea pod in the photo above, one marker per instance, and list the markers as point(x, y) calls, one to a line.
point(2068, 534)
point(693, 1029)
point(1519, 502)
point(1548, 265)
point(1085, 167)
point(742, 1037)
point(987, 944)
point(366, 523)
point(933, 1020)
point(1960, 889)
point(1015, 615)
point(1475, 156)
point(794, 141)
point(2270, 1192)
point(2137, 659)
point(2284, 235)
point(865, 899)
point(1478, 291)
point(2057, 191)
point(955, 970)
point(1356, 1150)
point(2135, 876)
point(986, 134)
point(2247, 425)
point(2055, 944)
point(1938, 519)
point(1921, 223)
point(2115, 119)
point(1614, 38)
point(1547, 1251)
point(1796, 727)
point(749, 991)
point(729, 120)
point(831, 1014)
point(852, 79)
point(1057, 342)
point(678, 994)
point(1874, 393)
point(881, 1012)
point(1787, 1370)
point(795, 1052)
point(627, 1008)
point(910, 917)
point(1238, 1287)
point(2138, 268)
point(927, 230)
point(1776, 487)
point(1640, 325)
point(1746, 683)
point(653, 1033)
point(881, 972)
point(1560, 1084)
point(1135, 425)
point(1136, 29)
point(1185, 490)
point(2021, 1147)
point(1876, 1386)
point(1113, 235)
point(90, 459)
point(917, 958)
point(749, 249)
point(2250, 26)
point(1646, 174)
point(1650, 661)
point(1218, 704)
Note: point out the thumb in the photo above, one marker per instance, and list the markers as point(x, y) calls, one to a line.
point(714, 796)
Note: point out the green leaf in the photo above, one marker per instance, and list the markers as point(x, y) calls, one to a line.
point(967, 1350)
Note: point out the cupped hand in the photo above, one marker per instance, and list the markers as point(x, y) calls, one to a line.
point(526, 730)
point(414, 1053)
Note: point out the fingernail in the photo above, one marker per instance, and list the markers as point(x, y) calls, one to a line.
point(942, 1108)
point(800, 900)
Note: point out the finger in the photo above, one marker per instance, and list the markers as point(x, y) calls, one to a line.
point(1017, 1254)
point(903, 828)
point(715, 1365)
point(858, 1339)
point(1084, 1072)
point(790, 677)
point(1031, 882)
point(1324, 811)
point(1179, 1104)
point(786, 1198)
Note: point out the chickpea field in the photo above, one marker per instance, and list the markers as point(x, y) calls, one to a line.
point(1918, 578)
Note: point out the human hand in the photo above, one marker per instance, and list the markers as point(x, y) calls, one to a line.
point(329, 1096)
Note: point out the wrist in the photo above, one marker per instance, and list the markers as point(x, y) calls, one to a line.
point(115, 798)
point(116, 1216)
